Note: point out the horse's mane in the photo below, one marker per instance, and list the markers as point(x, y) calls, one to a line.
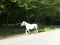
point(26, 22)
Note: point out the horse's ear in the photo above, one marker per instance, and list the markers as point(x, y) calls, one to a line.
point(23, 21)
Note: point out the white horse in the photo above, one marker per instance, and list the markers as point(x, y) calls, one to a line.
point(29, 27)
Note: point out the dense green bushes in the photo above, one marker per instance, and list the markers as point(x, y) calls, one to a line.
point(36, 11)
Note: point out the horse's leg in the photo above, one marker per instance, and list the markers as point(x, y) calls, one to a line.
point(29, 31)
point(36, 30)
point(26, 31)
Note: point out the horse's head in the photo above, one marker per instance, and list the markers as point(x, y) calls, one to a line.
point(23, 23)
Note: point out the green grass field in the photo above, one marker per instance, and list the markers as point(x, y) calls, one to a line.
point(11, 30)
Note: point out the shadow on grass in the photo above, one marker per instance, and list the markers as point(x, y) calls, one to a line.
point(13, 30)
point(10, 31)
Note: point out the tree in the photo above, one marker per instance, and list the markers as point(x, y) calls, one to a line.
point(13, 11)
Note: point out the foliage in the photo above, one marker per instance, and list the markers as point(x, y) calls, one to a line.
point(39, 11)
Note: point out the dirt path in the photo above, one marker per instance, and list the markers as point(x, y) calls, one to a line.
point(44, 38)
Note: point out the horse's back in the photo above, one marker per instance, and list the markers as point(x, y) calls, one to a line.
point(35, 25)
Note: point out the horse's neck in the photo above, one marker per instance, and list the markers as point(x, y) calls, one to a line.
point(27, 23)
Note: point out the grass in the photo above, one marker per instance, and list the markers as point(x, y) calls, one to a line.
point(10, 31)
point(48, 27)
point(7, 31)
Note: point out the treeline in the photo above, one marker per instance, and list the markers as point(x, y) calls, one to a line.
point(32, 11)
